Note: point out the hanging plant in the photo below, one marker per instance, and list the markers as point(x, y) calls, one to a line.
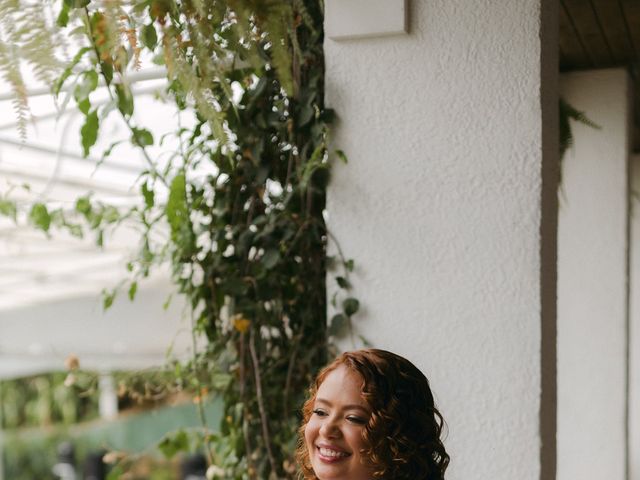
point(247, 241)
point(568, 113)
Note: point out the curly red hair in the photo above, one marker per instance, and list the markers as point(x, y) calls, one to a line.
point(404, 429)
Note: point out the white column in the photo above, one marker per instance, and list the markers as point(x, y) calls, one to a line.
point(448, 206)
point(108, 400)
point(634, 324)
point(592, 281)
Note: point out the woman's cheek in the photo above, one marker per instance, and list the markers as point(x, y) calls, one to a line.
point(311, 431)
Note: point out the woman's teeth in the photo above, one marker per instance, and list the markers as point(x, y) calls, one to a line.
point(326, 452)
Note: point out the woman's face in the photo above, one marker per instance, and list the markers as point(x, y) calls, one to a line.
point(333, 435)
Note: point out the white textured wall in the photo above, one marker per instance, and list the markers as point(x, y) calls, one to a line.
point(592, 281)
point(440, 205)
point(634, 324)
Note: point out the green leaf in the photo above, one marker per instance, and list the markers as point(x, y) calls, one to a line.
point(125, 99)
point(167, 303)
point(148, 195)
point(8, 209)
point(89, 84)
point(149, 36)
point(338, 325)
point(328, 115)
point(89, 132)
point(84, 105)
point(306, 114)
point(133, 288)
point(57, 218)
point(39, 216)
point(342, 282)
point(350, 306)
point(83, 206)
point(176, 208)
point(341, 155)
point(91, 80)
point(75, 230)
point(334, 299)
point(110, 214)
point(141, 5)
point(107, 299)
point(270, 258)
point(63, 17)
point(235, 286)
point(349, 264)
point(174, 443)
point(69, 70)
point(107, 72)
point(314, 163)
point(141, 137)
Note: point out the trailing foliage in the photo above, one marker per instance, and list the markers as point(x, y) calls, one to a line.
point(28, 39)
point(568, 113)
point(237, 210)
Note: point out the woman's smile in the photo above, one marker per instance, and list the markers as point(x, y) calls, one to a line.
point(331, 454)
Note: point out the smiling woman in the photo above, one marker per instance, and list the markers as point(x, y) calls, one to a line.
point(371, 415)
point(333, 435)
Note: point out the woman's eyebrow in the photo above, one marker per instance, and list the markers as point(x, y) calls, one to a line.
point(345, 407)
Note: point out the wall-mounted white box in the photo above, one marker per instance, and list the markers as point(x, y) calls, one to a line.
point(346, 19)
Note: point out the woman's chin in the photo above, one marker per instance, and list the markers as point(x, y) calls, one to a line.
point(337, 470)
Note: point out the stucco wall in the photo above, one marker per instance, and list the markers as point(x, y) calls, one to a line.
point(592, 281)
point(634, 324)
point(440, 206)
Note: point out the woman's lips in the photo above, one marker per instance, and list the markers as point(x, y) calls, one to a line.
point(330, 454)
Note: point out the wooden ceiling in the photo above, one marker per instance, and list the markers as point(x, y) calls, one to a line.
point(602, 34)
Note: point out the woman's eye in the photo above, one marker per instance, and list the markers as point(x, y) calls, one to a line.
point(319, 412)
point(357, 420)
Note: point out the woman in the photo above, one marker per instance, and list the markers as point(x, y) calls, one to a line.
point(371, 415)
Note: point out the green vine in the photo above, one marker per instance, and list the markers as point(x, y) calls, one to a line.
point(246, 240)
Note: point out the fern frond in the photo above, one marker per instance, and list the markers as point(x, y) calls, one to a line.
point(10, 64)
point(8, 8)
point(207, 59)
point(567, 113)
point(181, 70)
point(10, 67)
point(276, 18)
point(35, 39)
point(200, 8)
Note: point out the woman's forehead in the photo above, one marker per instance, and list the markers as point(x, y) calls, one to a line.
point(342, 384)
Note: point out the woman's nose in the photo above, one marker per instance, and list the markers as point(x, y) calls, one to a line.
point(330, 428)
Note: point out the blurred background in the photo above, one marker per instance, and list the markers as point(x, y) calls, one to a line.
point(504, 266)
